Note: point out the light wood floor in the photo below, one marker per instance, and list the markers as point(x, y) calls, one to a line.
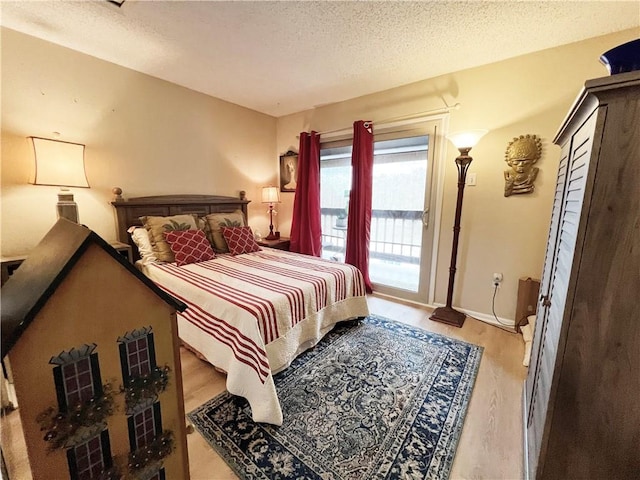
point(491, 443)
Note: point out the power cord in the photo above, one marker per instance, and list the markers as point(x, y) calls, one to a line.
point(493, 306)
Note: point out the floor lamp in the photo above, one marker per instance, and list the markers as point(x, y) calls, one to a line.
point(464, 142)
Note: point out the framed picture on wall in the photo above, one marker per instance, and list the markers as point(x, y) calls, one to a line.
point(288, 171)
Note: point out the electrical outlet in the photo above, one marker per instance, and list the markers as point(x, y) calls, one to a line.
point(497, 279)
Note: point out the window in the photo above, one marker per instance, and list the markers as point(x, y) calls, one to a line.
point(335, 185)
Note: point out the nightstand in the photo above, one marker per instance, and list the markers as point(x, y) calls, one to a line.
point(281, 243)
point(124, 250)
point(10, 264)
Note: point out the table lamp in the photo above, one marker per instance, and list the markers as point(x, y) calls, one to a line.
point(270, 195)
point(61, 164)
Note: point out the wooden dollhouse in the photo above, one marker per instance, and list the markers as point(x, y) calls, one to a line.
point(94, 353)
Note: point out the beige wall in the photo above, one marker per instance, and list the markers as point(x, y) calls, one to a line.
point(149, 137)
point(145, 135)
point(525, 95)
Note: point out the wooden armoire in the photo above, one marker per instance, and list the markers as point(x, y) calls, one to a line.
point(582, 393)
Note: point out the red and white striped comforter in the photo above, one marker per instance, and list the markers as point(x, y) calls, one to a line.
point(252, 314)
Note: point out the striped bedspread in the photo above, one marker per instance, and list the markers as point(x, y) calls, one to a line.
point(252, 314)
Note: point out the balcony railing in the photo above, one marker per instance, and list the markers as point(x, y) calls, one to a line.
point(396, 235)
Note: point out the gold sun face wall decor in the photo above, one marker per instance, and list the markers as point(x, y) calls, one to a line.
point(521, 155)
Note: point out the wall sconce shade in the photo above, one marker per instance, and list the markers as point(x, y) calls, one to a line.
point(60, 164)
point(466, 139)
point(270, 195)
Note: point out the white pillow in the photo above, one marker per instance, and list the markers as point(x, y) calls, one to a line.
point(140, 237)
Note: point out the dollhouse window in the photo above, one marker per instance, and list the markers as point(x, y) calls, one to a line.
point(138, 357)
point(137, 353)
point(76, 376)
point(78, 381)
point(159, 475)
point(144, 426)
point(90, 459)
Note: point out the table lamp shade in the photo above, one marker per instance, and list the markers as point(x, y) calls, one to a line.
point(270, 195)
point(58, 163)
point(61, 164)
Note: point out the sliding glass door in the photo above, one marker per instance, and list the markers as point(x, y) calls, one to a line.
point(401, 243)
point(397, 229)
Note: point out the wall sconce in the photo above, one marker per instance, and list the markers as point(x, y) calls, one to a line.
point(464, 142)
point(270, 195)
point(60, 164)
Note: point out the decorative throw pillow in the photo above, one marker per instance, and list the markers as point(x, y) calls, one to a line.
point(215, 221)
point(156, 226)
point(140, 238)
point(240, 240)
point(189, 246)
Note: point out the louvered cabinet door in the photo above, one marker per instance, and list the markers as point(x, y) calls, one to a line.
point(549, 261)
point(557, 278)
point(534, 432)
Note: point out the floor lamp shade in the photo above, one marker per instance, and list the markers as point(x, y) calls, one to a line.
point(270, 195)
point(60, 164)
point(467, 139)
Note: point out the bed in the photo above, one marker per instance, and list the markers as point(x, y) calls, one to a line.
point(249, 314)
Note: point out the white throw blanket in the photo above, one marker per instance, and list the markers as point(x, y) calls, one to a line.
point(527, 336)
point(252, 314)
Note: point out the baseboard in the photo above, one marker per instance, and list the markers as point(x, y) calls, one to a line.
point(401, 300)
point(504, 323)
point(507, 324)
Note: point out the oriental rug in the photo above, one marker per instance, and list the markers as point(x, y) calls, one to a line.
point(374, 399)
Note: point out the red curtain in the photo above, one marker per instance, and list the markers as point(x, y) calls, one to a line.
point(306, 225)
point(359, 218)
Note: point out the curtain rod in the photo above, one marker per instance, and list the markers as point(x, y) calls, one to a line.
point(434, 111)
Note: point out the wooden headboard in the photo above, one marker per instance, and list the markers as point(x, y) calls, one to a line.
point(128, 212)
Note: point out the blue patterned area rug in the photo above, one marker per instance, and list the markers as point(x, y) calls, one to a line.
point(375, 399)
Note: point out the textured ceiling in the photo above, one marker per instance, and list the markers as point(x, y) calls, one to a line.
point(284, 57)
